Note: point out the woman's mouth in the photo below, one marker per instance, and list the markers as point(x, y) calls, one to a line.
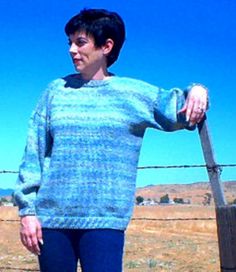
point(76, 61)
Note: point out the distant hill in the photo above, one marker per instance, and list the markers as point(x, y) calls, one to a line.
point(5, 192)
point(193, 192)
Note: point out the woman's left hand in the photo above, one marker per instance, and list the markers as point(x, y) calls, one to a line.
point(196, 104)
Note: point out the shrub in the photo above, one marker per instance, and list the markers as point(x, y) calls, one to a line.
point(139, 200)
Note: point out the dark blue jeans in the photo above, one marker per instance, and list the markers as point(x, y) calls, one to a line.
point(98, 250)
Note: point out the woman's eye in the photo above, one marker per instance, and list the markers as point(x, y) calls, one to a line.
point(80, 42)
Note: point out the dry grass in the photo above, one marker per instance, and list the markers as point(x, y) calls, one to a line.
point(175, 245)
point(188, 245)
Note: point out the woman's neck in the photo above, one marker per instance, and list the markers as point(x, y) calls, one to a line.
point(101, 74)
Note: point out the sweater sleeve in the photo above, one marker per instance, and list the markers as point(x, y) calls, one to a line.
point(166, 110)
point(37, 148)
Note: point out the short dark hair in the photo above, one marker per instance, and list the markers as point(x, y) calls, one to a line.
point(101, 25)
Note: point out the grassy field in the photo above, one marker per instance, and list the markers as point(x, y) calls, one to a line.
point(180, 238)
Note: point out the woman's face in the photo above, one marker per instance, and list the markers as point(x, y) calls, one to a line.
point(87, 58)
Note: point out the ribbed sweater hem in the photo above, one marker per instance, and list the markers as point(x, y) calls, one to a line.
point(84, 223)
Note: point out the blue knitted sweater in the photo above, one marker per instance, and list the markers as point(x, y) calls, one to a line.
point(80, 162)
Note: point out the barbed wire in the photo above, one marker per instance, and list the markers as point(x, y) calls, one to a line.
point(186, 166)
point(219, 166)
point(173, 219)
point(4, 268)
point(143, 219)
point(8, 172)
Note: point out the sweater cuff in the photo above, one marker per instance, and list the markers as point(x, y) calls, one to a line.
point(26, 211)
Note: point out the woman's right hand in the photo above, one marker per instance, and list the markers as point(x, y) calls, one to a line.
point(31, 233)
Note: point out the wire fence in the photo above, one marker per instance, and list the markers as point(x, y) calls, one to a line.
point(186, 166)
point(146, 219)
point(17, 269)
point(218, 167)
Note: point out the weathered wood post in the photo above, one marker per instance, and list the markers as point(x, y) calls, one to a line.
point(225, 214)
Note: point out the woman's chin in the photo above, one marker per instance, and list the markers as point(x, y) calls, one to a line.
point(77, 68)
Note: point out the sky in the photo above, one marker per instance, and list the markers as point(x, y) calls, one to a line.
point(168, 43)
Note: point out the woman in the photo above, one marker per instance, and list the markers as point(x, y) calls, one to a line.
point(76, 185)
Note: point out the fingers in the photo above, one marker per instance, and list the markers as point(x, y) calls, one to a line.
point(31, 233)
point(196, 105)
point(195, 111)
point(31, 243)
point(39, 234)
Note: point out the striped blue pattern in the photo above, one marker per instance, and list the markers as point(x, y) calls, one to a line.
point(79, 166)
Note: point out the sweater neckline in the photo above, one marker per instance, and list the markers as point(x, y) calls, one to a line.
point(92, 82)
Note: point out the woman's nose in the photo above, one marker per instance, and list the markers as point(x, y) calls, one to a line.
point(73, 49)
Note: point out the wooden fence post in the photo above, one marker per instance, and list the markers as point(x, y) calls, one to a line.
point(225, 214)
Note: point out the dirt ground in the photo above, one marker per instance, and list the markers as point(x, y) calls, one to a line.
point(159, 238)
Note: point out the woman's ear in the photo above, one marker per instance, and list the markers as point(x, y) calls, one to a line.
point(107, 47)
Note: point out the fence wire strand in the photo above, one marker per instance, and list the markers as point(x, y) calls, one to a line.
point(186, 166)
point(4, 268)
point(158, 167)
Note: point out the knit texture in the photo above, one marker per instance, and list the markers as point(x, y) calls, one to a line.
point(80, 162)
